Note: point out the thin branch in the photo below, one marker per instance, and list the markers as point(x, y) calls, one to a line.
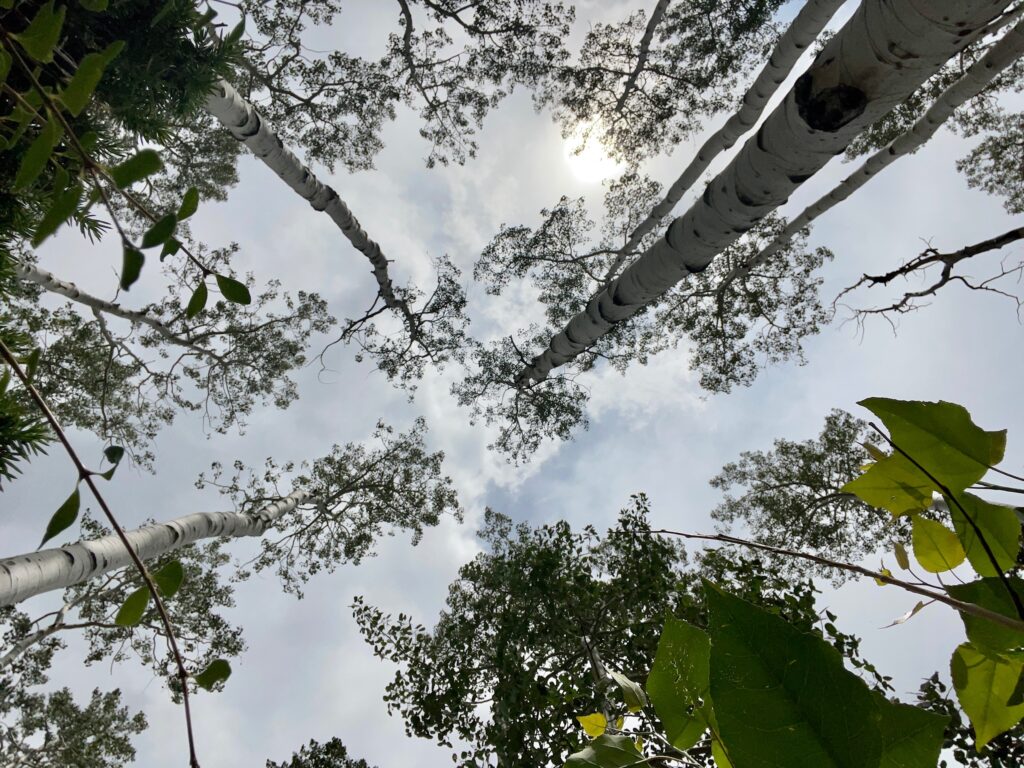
point(645, 49)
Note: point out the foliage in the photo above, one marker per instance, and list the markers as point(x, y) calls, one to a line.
point(330, 754)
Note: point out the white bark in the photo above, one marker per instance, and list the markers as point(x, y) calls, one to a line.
point(245, 124)
point(802, 31)
point(882, 55)
point(51, 282)
point(27, 575)
point(973, 82)
point(644, 52)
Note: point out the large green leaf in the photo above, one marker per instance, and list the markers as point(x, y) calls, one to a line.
point(782, 696)
point(169, 578)
point(941, 438)
point(893, 483)
point(998, 525)
point(606, 752)
point(41, 35)
point(133, 609)
point(992, 594)
point(984, 684)
point(76, 94)
point(911, 737)
point(143, 163)
point(38, 154)
point(936, 547)
point(679, 680)
point(64, 517)
point(218, 671)
point(63, 205)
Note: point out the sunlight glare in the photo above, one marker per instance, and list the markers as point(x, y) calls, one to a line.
point(591, 164)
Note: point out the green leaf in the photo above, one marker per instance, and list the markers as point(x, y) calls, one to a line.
point(679, 680)
point(76, 94)
point(942, 438)
point(936, 547)
point(169, 578)
point(782, 696)
point(94, 5)
point(984, 684)
point(719, 754)
point(189, 204)
point(233, 290)
point(606, 752)
point(911, 737)
point(171, 247)
point(64, 517)
point(41, 36)
point(999, 527)
point(593, 725)
point(64, 204)
point(31, 362)
point(197, 303)
point(990, 593)
point(113, 454)
point(133, 609)
point(5, 65)
point(235, 34)
point(131, 265)
point(901, 556)
point(217, 672)
point(1017, 697)
point(37, 155)
point(143, 163)
point(631, 692)
point(892, 483)
point(160, 231)
point(168, 7)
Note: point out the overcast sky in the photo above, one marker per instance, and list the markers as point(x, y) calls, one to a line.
point(307, 673)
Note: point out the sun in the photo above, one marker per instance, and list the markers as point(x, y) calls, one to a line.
point(592, 163)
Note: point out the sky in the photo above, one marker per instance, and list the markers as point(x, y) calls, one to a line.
point(306, 673)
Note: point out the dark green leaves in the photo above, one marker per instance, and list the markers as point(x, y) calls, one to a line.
point(133, 609)
point(783, 697)
point(169, 578)
point(94, 5)
point(64, 517)
point(37, 155)
point(160, 231)
point(233, 290)
point(217, 672)
point(41, 36)
point(64, 204)
point(78, 91)
point(679, 682)
point(911, 736)
point(113, 454)
point(606, 752)
point(189, 204)
point(131, 265)
point(197, 303)
point(143, 163)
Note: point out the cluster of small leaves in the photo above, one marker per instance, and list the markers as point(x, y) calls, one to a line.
point(330, 754)
point(450, 61)
point(639, 102)
point(357, 494)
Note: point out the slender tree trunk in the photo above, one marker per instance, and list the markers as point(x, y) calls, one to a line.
point(973, 82)
point(54, 284)
point(245, 124)
point(27, 575)
point(882, 55)
point(645, 49)
point(802, 31)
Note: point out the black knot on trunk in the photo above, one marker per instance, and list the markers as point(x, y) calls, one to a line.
point(830, 108)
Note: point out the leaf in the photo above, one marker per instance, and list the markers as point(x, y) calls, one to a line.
point(189, 204)
point(942, 438)
point(936, 547)
point(992, 594)
point(64, 517)
point(37, 155)
point(197, 303)
point(63, 206)
point(76, 94)
point(113, 454)
point(41, 35)
point(594, 725)
point(906, 616)
point(171, 247)
point(235, 34)
point(133, 609)
point(5, 65)
point(233, 290)
point(143, 163)
point(911, 737)
point(1017, 697)
point(782, 696)
point(168, 7)
point(217, 672)
point(31, 362)
point(984, 684)
point(633, 694)
point(719, 755)
point(169, 578)
point(893, 484)
point(131, 265)
point(999, 527)
point(94, 5)
point(901, 556)
point(606, 752)
point(678, 683)
point(885, 572)
point(160, 231)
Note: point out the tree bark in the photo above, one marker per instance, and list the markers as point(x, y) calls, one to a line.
point(645, 49)
point(31, 574)
point(882, 55)
point(972, 83)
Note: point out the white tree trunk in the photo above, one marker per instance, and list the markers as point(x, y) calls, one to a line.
point(882, 55)
point(24, 576)
point(245, 124)
point(802, 31)
point(54, 284)
point(973, 82)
